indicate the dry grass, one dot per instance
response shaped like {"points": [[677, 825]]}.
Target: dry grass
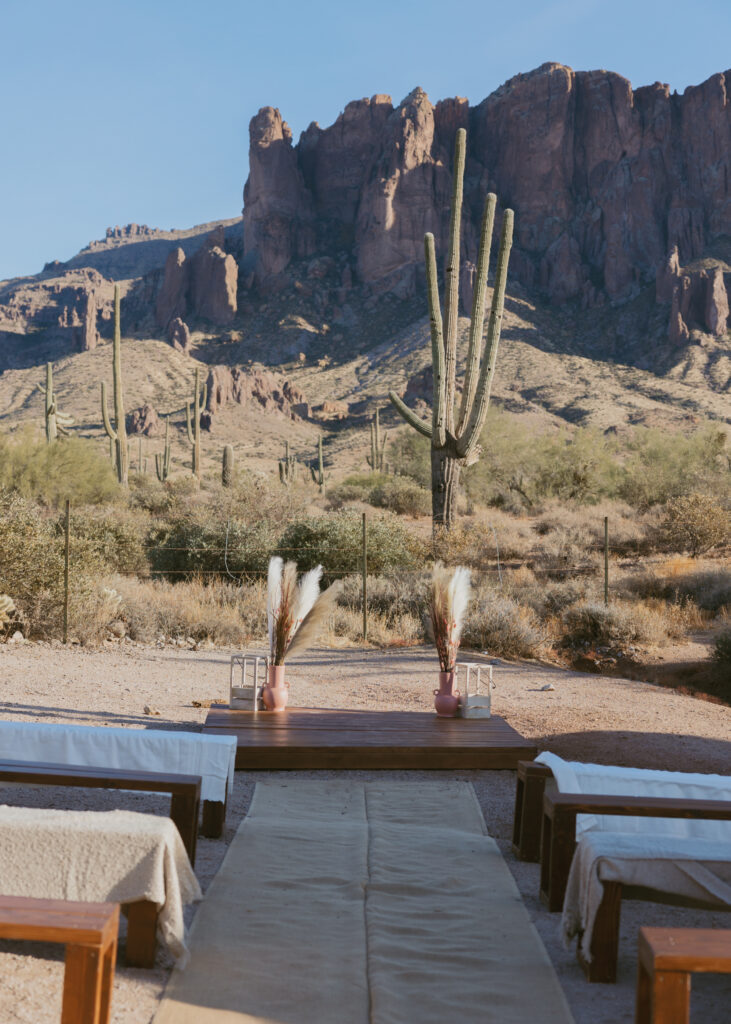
{"points": [[219, 612]]}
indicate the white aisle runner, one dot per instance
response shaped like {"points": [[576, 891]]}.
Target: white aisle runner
{"points": [[344, 902]]}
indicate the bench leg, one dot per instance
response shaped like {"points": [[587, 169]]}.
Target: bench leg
{"points": [[108, 966], [184, 813], [670, 998], [530, 785], [82, 985], [605, 938], [558, 845], [214, 814], [141, 934], [643, 996]]}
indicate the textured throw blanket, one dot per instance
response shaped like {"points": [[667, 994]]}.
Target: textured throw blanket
{"points": [[696, 869], [574, 777], [148, 750], [116, 856]]}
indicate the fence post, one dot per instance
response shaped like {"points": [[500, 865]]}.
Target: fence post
{"points": [[606, 560], [67, 535], [365, 581]]}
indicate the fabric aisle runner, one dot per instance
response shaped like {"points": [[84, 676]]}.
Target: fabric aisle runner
{"points": [[345, 902]]}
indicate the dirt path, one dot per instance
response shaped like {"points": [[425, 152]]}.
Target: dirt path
{"points": [[585, 717]]}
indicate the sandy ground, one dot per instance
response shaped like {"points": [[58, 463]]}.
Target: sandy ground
{"points": [[586, 717]]}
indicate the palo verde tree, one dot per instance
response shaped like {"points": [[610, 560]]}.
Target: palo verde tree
{"points": [[454, 438]]}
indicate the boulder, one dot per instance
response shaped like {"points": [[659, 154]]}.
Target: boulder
{"points": [[145, 421], [171, 300], [179, 335]]}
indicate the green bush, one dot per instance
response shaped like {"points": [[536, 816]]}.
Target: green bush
{"points": [[50, 473], [659, 465], [402, 496], [335, 542], [32, 567], [695, 523], [722, 648]]}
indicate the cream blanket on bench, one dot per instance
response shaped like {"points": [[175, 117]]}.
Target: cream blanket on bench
{"points": [[98, 856], [148, 750], [610, 780], [689, 868]]}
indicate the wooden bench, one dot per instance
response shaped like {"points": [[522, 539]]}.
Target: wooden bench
{"points": [[558, 834], [666, 959], [531, 783], [89, 932], [185, 790]]}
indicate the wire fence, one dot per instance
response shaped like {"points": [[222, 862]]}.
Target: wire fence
{"points": [[356, 556]]}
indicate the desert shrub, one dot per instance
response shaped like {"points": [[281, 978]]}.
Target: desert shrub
{"points": [[614, 624], [563, 549], [49, 473], [343, 494], [660, 465], [32, 567], [198, 543], [478, 542], [410, 454], [220, 611], [695, 523], [709, 589], [118, 539], [553, 598], [334, 541], [499, 625], [400, 495], [722, 648], [392, 598]]}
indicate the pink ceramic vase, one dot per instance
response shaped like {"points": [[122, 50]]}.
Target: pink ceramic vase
{"points": [[446, 698], [276, 692]]}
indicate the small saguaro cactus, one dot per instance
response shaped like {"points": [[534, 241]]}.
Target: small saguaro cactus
{"points": [[455, 440], [162, 462], [56, 422], [227, 465], [193, 420], [119, 433], [318, 470], [287, 466], [378, 446]]}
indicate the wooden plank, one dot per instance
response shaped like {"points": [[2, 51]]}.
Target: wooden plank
{"points": [[323, 738]]}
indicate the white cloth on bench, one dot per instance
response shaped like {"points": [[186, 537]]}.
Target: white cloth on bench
{"points": [[99, 856], [610, 780], [149, 750], [689, 868]]}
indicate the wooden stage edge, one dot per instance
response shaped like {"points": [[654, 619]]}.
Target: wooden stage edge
{"points": [[311, 739]]}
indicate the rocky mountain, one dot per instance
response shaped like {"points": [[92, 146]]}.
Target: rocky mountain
{"points": [[622, 252]]}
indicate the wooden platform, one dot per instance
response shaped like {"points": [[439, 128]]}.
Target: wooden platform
{"points": [[319, 738]]}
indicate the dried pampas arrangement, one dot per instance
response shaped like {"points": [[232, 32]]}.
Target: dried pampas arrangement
{"points": [[449, 595], [296, 613]]}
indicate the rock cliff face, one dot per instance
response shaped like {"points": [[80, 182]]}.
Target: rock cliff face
{"points": [[605, 181], [68, 308], [203, 285]]}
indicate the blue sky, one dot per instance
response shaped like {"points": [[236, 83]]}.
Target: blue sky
{"points": [[139, 111]]}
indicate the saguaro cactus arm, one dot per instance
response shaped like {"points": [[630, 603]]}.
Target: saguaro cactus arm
{"points": [[477, 322], [418, 424], [451, 279], [110, 431], [468, 440]]}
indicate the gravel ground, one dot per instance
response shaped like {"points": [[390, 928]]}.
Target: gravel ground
{"points": [[586, 717]]}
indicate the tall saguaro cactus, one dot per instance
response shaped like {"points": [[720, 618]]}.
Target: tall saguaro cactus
{"points": [[56, 422], [227, 465], [318, 471], [162, 462], [193, 420], [118, 434], [455, 440], [287, 466], [378, 446]]}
